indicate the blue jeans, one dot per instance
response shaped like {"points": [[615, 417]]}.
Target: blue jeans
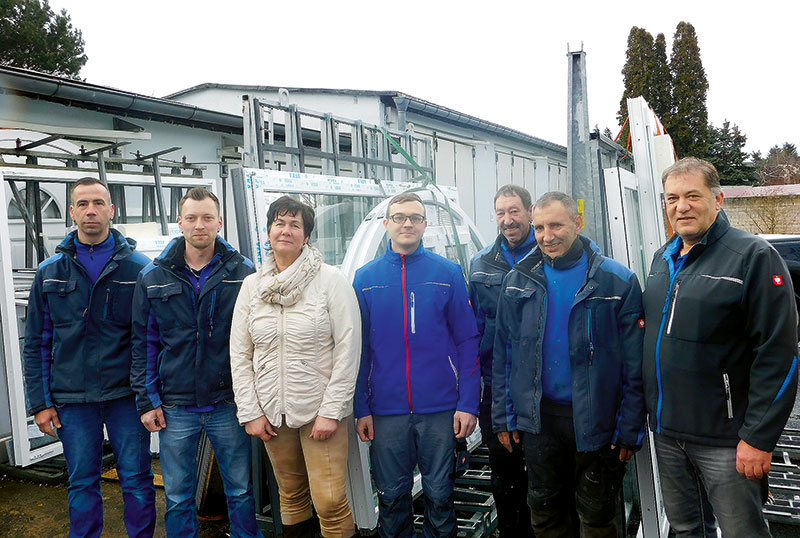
{"points": [[179, 442], [401, 443], [81, 434], [685, 469]]}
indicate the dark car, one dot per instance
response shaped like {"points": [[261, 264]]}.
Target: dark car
{"points": [[788, 246]]}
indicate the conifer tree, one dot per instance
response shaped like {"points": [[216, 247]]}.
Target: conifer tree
{"points": [[659, 93], [688, 123], [32, 36], [726, 153], [635, 73]]}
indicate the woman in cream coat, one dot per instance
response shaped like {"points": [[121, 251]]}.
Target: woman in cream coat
{"points": [[295, 348]]}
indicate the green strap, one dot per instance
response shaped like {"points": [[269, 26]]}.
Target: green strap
{"points": [[429, 184]]}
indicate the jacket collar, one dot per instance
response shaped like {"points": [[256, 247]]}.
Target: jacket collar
{"points": [[173, 254], [713, 234], [394, 257], [533, 262], [123, 246]]}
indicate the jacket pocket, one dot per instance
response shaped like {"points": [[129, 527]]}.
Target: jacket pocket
{"points": [[728, 398], [118, 301], [161, 297], [62, 300]]}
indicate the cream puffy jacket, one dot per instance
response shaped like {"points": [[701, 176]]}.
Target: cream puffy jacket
{"points": [[299, 360]]}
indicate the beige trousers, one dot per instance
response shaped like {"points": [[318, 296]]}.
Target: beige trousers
{"points": [[312, 471]]}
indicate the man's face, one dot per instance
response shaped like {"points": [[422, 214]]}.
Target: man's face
{"points": [[91, 210], [555, 230], [691, 206], [513, 218], [199, 222], [407, 235]]}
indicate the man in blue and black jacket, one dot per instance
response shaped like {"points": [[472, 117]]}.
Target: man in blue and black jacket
{"points": [[181, 371], [513, 211], [720, 362], [569, 334], [419, 379], [77, 359]]}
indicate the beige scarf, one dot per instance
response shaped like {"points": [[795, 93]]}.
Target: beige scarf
{"points": [[286, 287]]}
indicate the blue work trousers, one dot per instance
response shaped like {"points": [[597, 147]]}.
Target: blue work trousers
{"points": [[403, 442], [81, 435], [686, 469], [179, 441]]}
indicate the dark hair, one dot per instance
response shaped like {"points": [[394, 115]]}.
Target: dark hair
{"points": [[515, 190], [555, 196], [402, 198], [286, 205], [689, 165], [199, 194], [87, 181]]}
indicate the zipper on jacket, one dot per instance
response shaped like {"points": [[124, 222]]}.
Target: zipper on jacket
{"points": [[672, 308], [728, 398], [405, 331], [105, 308], [211, 313], [589, 331], [413, 315], [453, 366]]}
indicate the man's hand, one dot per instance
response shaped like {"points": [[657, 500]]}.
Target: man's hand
{"points": [[154, 420], [464, 424], [323, 428], [261, 428], [751, 462], [505, 439], [624, 453], [44, 418], [365, 429]]}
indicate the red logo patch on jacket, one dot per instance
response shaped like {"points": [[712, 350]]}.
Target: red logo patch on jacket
{"points": [[641, 323], [777, 280]]}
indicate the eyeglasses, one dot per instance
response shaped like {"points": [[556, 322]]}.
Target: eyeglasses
{"points": [[399, 218]]}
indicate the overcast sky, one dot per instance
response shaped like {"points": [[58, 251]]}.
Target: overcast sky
{"points": [[498, 60]]}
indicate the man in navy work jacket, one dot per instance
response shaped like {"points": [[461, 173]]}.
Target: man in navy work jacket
{"points": [[569, 331], [181, 371], [514, 211], [418, 385], [720, 362], [77, 362]]}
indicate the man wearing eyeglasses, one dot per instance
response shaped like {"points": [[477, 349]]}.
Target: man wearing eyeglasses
{"points": [[419, 382]]}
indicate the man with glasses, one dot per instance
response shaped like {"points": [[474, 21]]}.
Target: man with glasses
{"points": [[419, 381]]}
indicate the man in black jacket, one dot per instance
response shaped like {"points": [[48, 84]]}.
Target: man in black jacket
{"points": [[720, 364]]}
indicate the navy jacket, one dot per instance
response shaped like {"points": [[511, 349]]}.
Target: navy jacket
{"points": [[420, 344], [180, 339], [605, 340], [486, 272], [721, 342], [77, 336]]}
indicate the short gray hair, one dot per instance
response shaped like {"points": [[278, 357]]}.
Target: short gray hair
{"points": [[515, 190], [689, 165], [555, 196]]}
